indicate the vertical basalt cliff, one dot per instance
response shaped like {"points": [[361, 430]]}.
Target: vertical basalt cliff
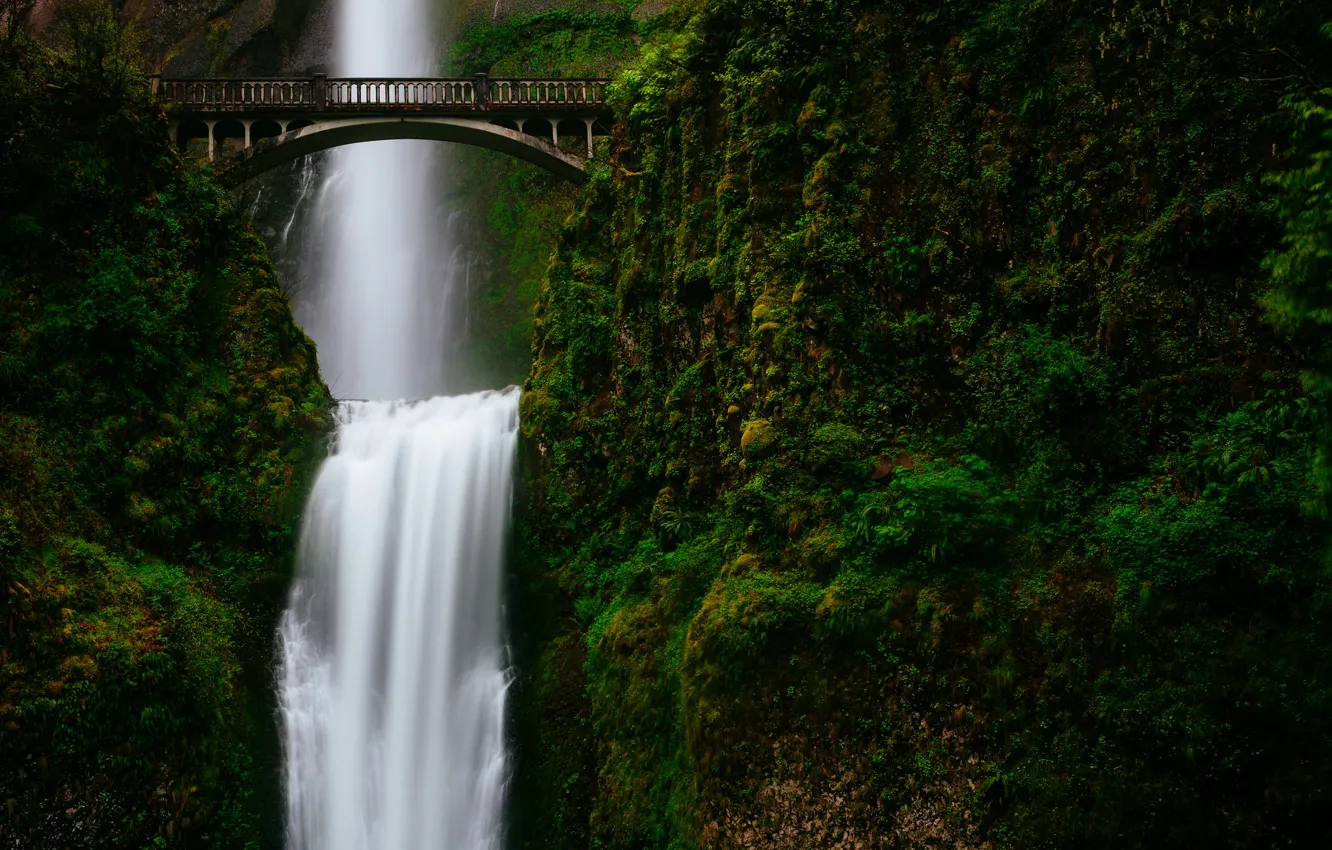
{"points": [[159, 411], [214, 37], [911, 458]]}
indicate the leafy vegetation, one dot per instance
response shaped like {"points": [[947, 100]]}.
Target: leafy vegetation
{"points": [[910, 457], [1302, 268], [555, 43], [514, 210], [158, 412]]}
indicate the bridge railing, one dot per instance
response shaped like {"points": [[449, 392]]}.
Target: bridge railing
{"points": [[547, 92], [232, 95], [353, 95], [322, 94]]}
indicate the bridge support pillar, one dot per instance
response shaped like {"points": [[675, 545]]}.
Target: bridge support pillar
{"points": [[589, 122], [247, 125], [211, 144], [520, 122], [555, 131]]}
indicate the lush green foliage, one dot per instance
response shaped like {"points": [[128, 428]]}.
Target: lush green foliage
{"points": [[557, 43], [1301, 297], [514, 210], [158, 409], [910, 460]]}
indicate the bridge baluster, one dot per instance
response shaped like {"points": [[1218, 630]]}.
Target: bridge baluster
{"points": [[206, 97]]}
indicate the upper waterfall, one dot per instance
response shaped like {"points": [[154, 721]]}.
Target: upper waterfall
{"points": [[379, 252]]}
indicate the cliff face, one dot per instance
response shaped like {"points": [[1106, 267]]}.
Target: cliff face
{"points": [[158, 412], [512, 211], [195, 38], [229, 38], [910, 459]]}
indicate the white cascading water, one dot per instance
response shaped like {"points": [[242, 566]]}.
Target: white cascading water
{"points": [[393, 675], [378, 309], [393, 680]]}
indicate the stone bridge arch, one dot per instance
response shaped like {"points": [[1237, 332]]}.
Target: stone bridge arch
{"points": [[277, 120]]}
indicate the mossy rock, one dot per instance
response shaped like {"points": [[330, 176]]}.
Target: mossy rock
{"points": [[759, 436], [742, 565], [664, 504], [762, 308], [835, 447]]}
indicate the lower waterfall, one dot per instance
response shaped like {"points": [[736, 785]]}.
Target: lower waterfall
{"points": [[393, 671]]}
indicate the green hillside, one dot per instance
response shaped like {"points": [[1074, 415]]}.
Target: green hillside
{"points": [[158, 413], [918, 443]]}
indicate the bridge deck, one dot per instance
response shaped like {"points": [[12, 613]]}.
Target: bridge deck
{"points": [[321, 95]]}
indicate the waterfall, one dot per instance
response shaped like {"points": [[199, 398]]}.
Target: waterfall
{"points": [[378, 245], [393, 673]]}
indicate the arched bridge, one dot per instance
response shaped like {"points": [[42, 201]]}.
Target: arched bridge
{"points": [[253, 125]]}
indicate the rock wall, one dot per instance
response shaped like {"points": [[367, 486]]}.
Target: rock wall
{"points": [[911, 459]]}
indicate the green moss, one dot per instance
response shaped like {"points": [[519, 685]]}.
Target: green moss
{"points": [[559, 42], [161, 411], [758, 437], [514, 210], [942, 329]]}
